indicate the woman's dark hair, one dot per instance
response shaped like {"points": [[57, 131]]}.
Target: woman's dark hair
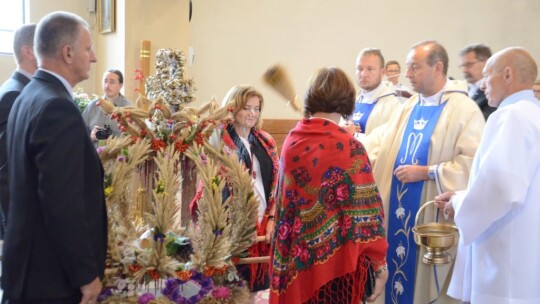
{"points": [[329, 91]]}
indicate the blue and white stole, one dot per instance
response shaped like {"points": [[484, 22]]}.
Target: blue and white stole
{"points": [[361, 113], [405, 202]]}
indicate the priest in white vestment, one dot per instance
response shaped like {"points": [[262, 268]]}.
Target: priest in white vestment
{"points": [[376, 101], [428, 145], [499, 213]]}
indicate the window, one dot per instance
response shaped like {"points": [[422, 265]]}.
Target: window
{"points": [[12, 16]]}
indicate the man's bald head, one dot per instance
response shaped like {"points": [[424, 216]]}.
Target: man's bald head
{"points": [[507, 72], [519, 61]]}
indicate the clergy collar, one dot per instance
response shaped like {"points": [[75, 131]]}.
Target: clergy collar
{"points": [[434, 100], [367, 97]]}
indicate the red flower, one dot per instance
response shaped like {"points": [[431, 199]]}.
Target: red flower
{"points": [[199, 139], [366, 231], [297, 225], [342, 192], [283, 249], [330, 198], [275, 282], [284, 231], [158, 144], [183, 275], [304, 256], [154, 274], [296, 251], [134, 268], [346, 221], [181, 146]]}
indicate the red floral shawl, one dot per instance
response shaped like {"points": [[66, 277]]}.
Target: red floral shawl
{"points": [[329, 215]]}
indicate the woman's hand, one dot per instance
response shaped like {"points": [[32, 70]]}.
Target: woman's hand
{"points": [[380, 281], [270, 224]]}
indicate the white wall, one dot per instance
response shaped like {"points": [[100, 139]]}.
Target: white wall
{"points": [[236, 40], [37, 10], [163, 22]]}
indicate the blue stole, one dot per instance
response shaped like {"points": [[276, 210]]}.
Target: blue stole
{"points": [[405, 202], [361, 114]]}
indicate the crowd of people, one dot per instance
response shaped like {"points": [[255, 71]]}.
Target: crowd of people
{"points": [[336, 207]]}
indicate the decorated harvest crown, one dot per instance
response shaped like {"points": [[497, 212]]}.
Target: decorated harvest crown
{"points": [[148, 246]]}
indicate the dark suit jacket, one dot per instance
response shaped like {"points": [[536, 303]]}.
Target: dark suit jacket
{"points": [[56, 238], [481, 100], [8, 92]]}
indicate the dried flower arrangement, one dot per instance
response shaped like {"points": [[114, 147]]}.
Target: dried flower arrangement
{"points": [[81, 98], [149, 250]]}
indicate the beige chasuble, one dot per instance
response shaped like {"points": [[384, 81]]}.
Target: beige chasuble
{"points": [[452, 147]]}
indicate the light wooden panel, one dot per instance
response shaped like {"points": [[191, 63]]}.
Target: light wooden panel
{"points": [[279, 128]]}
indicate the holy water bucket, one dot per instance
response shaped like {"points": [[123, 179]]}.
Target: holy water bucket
{"points": [[436, 237]]}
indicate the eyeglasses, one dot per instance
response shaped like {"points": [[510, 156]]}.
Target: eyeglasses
{"points": [[469, 64]]}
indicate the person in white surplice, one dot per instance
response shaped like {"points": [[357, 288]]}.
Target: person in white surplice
{"points": [[497, 216]]}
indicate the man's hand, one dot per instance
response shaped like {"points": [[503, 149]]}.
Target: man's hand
{"points": [[411, 173], [93, 133], [444, 203], [350, 127], [91, 291]]}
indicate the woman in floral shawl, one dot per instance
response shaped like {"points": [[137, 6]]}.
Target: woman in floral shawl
{"points": [[330, 215], [256, 149]]}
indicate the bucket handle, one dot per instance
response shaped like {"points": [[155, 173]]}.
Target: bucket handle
{"points": [[420, 211]]}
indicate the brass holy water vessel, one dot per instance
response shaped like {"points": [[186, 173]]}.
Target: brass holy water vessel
{"points": [[436, 237]]}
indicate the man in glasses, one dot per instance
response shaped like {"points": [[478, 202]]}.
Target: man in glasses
{"points": [[473, 60]]}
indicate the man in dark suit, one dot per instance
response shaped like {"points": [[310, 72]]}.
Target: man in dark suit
{"points": [[473, 60], [23, 50], [56, 239]]}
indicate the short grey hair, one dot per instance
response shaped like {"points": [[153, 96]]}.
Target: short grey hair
{"points": [[24, 36], [55, 30]]}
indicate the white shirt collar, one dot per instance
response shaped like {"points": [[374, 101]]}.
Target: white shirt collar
{"points": [[433, 100], [25, 73], [62, 80], [367, 97], [474, 87]]}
